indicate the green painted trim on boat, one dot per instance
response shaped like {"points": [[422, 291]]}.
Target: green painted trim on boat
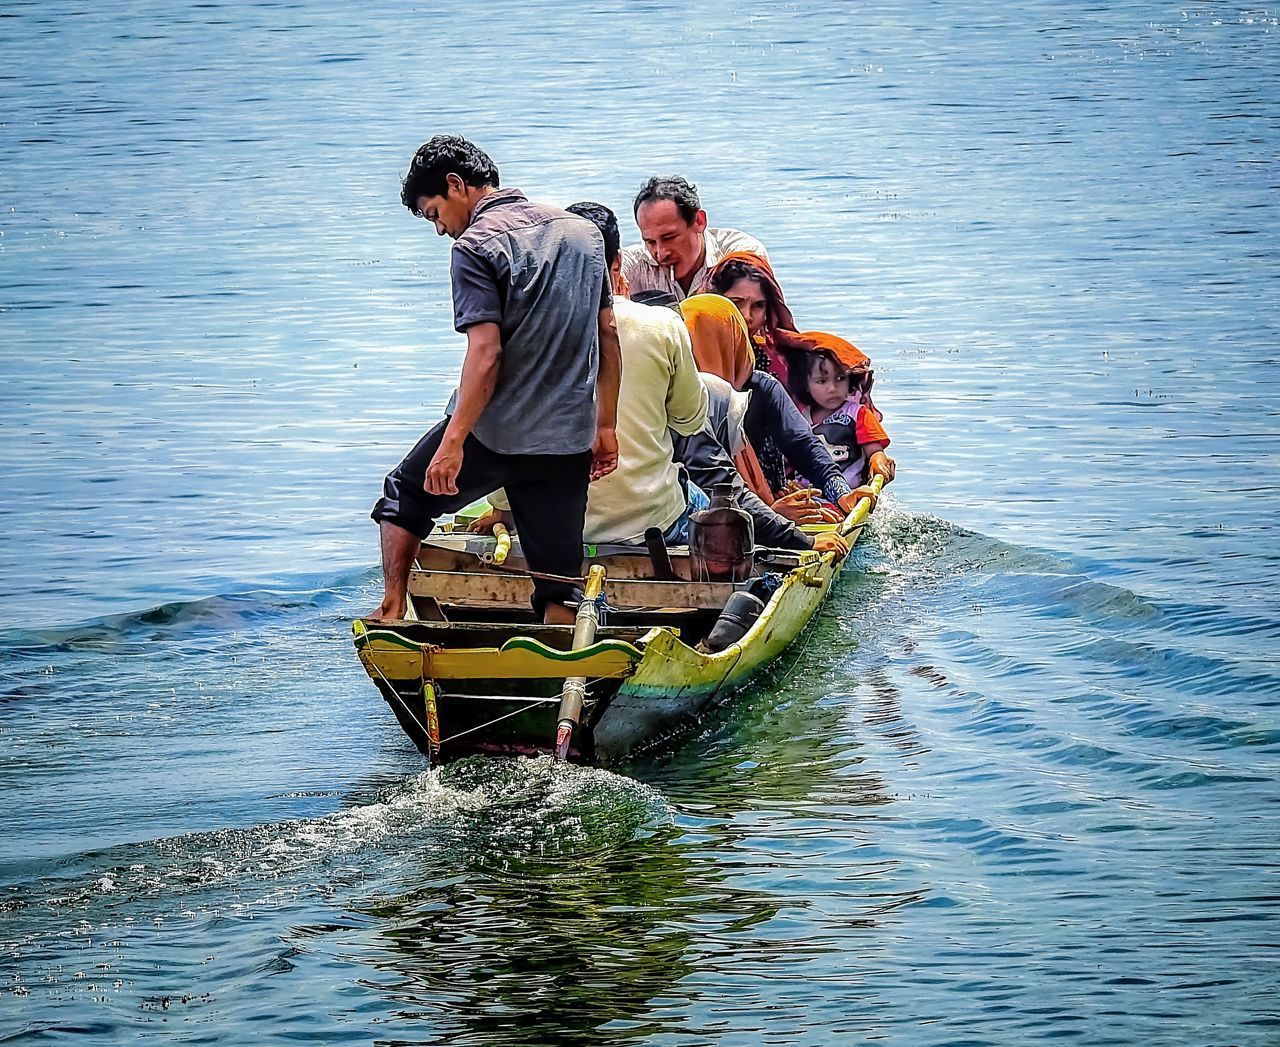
{"points": [[526, 643], [364, 636]]}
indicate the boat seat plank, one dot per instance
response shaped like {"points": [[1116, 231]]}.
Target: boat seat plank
{"points": [[398, 661], [531, 661], [474, 589]]}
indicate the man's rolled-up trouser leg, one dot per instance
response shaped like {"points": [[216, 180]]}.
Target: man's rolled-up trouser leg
{"points": [[549, 503], [405, 501]]}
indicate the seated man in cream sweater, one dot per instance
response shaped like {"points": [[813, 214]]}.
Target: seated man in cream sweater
{"points": [[660, 392]]}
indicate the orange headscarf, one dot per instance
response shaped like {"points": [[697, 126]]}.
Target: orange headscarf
{"points": [[850, 357], [780, 315], [779, 324], [721, 346], [847, 355]]}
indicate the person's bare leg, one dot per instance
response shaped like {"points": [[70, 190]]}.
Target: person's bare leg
{"points": [[399, 547], [557, 614]]}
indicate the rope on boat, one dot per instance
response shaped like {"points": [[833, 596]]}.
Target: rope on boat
{"points": [[529, 703], [524, 572], [399, 701], [500, 698], [809, 633]]}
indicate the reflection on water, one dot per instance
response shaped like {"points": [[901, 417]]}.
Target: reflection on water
{"points": [[463, 883], [554, 952], [493, 815]]}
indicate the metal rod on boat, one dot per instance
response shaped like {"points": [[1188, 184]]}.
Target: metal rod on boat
{"points": [[575, 687]]}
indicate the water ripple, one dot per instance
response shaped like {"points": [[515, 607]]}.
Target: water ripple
{"points": [[1017, 782]]}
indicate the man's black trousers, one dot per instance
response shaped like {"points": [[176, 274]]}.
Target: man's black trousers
{"points": [[548, 494]]}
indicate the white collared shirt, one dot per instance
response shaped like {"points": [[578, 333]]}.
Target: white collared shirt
{"points": [[644, 274]]}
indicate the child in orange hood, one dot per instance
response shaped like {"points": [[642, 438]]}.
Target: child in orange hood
{"points": [[831, 383]]}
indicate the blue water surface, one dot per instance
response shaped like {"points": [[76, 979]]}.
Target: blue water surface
{"points": [[1018, 783]]}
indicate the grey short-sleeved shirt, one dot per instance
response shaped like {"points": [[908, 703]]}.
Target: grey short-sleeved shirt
{"points": [[539, 273]]}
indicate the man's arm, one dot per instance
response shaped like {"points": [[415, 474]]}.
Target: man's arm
{"points": [[686, 395], [475, 390], [608, 378]]}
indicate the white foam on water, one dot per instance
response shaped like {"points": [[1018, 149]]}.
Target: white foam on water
{"points": [[478, 813]]}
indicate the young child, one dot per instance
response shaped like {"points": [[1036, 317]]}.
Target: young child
{"points": [[831, 384]]}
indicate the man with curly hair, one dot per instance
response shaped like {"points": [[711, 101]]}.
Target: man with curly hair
{"points": [[536, 406], [678, 248]]}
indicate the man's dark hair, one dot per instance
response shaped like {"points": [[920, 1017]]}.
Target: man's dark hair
{"points": [[604, 220], [445, 155], [680, 191]]}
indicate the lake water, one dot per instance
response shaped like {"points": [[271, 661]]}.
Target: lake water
{"points": [[1018, 783]]}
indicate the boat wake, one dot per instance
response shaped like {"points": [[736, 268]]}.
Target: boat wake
{"points": [[489, 817], [923, 551], [1048, 662], [939, 547], [224, 612]]}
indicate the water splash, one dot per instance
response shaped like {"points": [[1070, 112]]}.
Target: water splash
{"points": [[495, 815]]}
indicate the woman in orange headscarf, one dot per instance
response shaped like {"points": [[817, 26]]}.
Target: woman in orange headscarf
{"points": [[776, 431], [747, 280]]}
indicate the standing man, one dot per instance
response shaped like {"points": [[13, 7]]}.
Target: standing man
{"points": [[678, 247], [660, 396], [536, 405]]}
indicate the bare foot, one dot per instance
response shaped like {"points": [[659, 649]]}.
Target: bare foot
{"points": [[388, 611]]}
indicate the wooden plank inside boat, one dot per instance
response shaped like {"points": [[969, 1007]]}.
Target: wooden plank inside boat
{"points": [[471, 589], [461, 552]]}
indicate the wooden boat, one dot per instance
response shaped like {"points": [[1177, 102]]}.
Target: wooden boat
{"points": [[472, 671]]}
